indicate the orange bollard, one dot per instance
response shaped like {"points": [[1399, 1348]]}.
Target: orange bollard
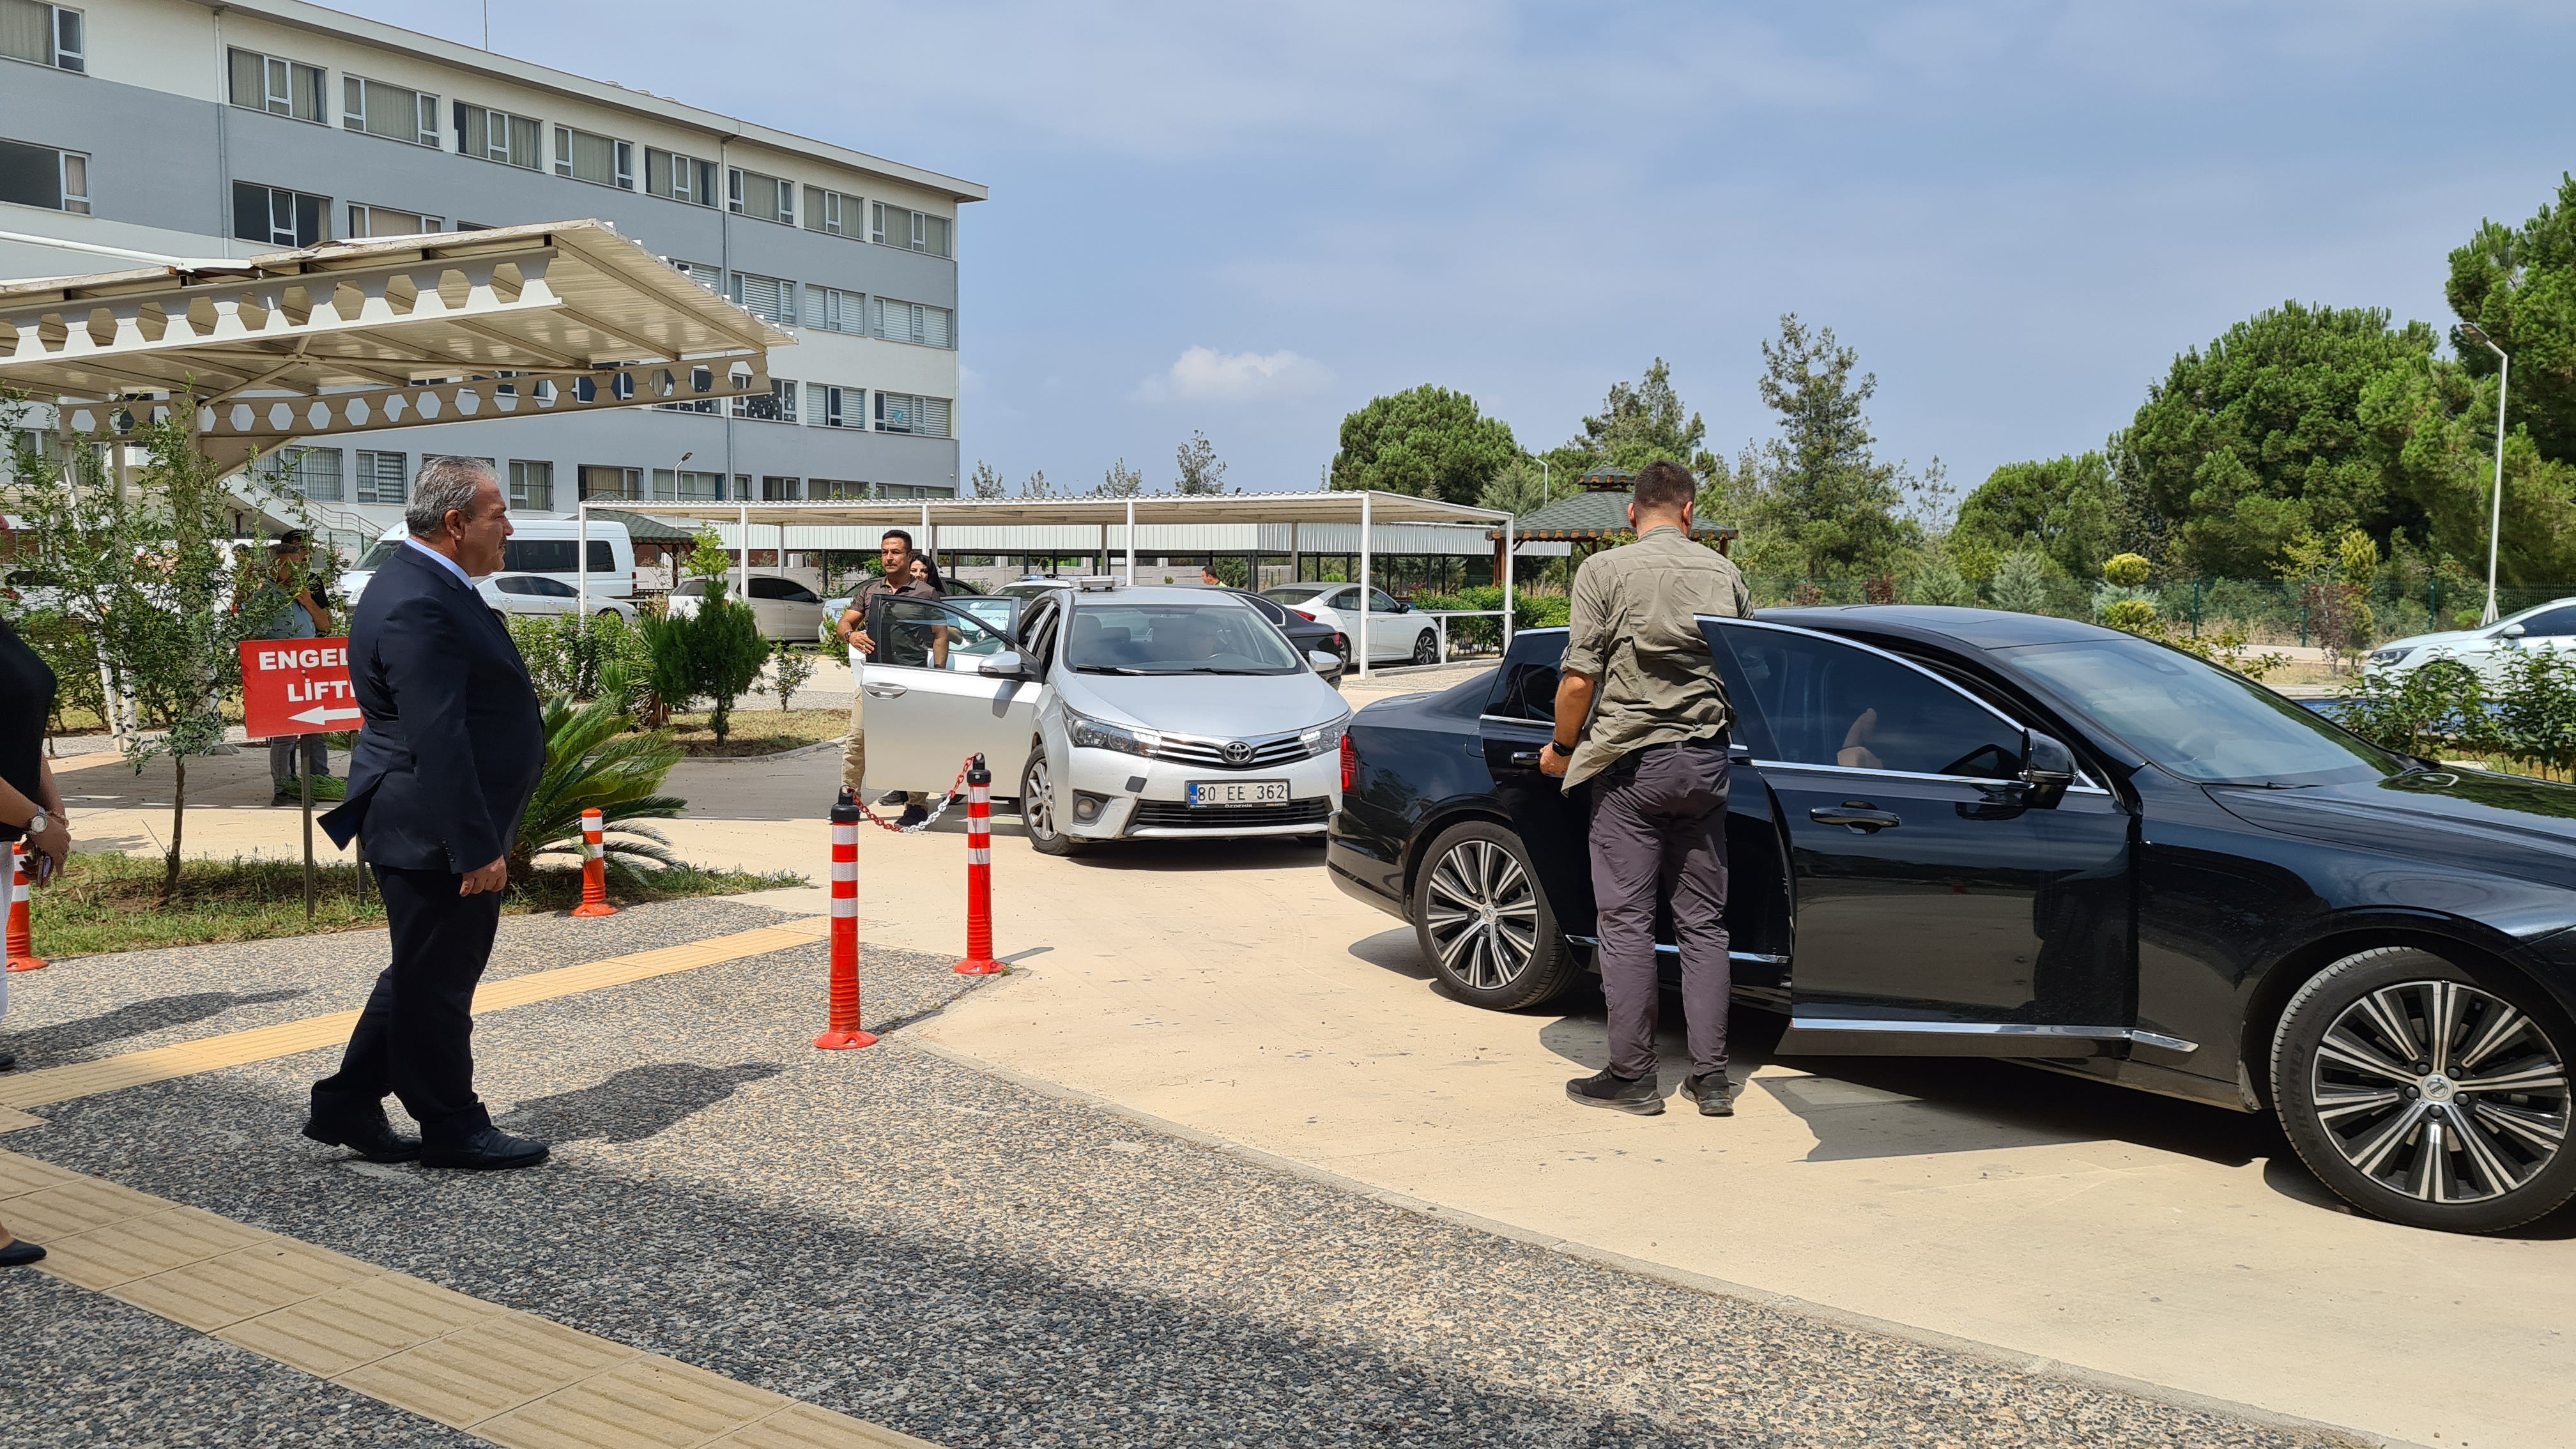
{"points": [[22, 939], [979, 873], [844, 1031], [594, 868]]}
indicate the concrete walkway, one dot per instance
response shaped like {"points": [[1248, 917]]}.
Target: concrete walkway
{"points": [[1228, 990]]}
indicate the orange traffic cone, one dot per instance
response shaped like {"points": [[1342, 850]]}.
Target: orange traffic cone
{"points": [[594, 868], [22, 940]]}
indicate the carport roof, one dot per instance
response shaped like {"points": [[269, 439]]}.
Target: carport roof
{"points": [[1308, 507]]}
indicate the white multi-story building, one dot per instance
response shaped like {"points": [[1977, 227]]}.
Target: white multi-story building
{"points": [[174, 128]]}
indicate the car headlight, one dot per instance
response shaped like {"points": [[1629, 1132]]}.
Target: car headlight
{"points": [[1324, 739], [1096, 734], [2390, 656]]}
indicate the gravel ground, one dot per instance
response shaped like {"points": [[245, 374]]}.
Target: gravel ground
{"points": [[83, 1008], [902, 1238], [86, 1370]]}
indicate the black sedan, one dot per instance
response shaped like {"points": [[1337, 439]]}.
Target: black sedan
{"points": [[1304, 634], [1964, 833]]}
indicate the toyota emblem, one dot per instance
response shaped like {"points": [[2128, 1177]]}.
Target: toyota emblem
{"points": [[1237, 753]]}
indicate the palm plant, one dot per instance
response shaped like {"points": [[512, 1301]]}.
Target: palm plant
{"points": [[592, 764]]}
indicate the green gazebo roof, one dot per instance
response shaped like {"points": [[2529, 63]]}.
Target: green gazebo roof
{"points": [[1593, 515]]}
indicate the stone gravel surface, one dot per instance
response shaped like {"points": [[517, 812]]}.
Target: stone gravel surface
{"points": [[891, 1234], [86, 1370], [82, 1008]]}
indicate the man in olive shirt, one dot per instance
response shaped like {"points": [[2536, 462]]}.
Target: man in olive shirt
{"points": [[895, 553], [1641, 713]]}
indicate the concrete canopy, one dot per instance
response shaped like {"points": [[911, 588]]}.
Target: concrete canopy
{"points": [[354, 336]]}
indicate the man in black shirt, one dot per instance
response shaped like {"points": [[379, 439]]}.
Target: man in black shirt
{"points": [[895, 554]]}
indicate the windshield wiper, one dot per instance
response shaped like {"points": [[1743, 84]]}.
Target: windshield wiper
{"points": [[2270, 784], [1107, 669]]}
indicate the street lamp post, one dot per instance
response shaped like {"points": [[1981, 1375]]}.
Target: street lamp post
{"points": [[2495, 506]]}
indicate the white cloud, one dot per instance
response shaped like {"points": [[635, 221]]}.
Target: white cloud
{"points": [[1204, 374]]}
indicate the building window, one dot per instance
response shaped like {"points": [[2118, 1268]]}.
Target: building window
{"points": [[279, 87], [780, 490], [836, 407], [911, 322], [371, 221], [681, 485], [498, 136], [44, 34], [705, 274], [832, 211], [765, 297], [532, 485], [897, 226], [312, 472], [818, 490], [389, 111], [596, 159], [43, 176], [903, 413], [602, 482], [834, 310], [778, 405], [914, 490], [381, 478], [767, 198], [681, 178], [280, 217]]}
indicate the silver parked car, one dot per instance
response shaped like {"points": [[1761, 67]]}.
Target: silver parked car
{"points": [[1112, 713]]}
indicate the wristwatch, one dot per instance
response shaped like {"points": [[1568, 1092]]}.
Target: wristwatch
{"points": [[1562, 752], [41, 823]]}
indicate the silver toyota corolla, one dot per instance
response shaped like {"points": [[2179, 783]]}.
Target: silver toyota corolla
{"points": [[1113, 713]]}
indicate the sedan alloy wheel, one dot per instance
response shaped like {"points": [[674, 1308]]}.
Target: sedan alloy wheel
{"points": [[1037, 809], [2427, 1097], [1483, 922], [1426, 648]]}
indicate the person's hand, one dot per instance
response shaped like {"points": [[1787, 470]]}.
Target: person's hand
{"points": [[1552, 763], [490, 878], [860, 641], [54, 841]]}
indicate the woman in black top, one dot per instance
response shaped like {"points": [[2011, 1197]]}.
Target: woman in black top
{"points": [[31, 809]]}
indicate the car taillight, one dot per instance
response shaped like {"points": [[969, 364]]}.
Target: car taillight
{"points": [[1302, 614], [1350, 762]]}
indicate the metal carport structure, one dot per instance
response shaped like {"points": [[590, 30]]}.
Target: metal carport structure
{"points": [[355, 336], [1365, 508]]}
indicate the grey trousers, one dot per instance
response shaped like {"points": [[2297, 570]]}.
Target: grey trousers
{"points": [[281, 757], [1659, 832]]}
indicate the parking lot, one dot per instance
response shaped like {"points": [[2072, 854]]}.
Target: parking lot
{"points": [[1229, 998]]}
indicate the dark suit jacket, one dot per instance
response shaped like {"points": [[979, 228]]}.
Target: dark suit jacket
{"points": [[452, 745]]}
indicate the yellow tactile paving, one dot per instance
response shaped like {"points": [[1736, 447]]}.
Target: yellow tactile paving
{"points": [[649, 1403], [802, 1426], [258, 1279], [78, 1204], [116, 1255], [487, 1369], [368, 1320], [240, 1048], [21, 1175]]}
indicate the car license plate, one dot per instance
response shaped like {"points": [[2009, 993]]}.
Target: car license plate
{"points": [[1238, 792]]}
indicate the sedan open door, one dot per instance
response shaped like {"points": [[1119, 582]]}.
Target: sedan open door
{"points": [[928, 702]]}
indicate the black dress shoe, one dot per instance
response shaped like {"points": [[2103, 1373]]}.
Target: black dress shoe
{"points": [[912, 815], [490, 1150], [375, 1141], [18, 1253], [1639, 1097], [8, 1060]]}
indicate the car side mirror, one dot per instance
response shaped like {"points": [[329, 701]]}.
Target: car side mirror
{"points": [[2510, 631], [2048, 767], [1327, 665], [1004, 666]]}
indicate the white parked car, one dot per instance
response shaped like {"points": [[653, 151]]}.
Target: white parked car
{"points": [[1112, 713], [2484, 649], [1396, 634], [536, 546], [785, 608], [539, 594]]}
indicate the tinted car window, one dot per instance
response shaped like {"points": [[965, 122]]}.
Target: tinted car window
{"points": [[2197, 720], [1831, 703], [540, 555], [1037, 633], [919, 634], [690, 589], [1525, 687], [1379, 603], [2551, 624], [550, 588], [511, 586]]}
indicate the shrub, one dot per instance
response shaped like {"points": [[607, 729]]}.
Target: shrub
{"points": [[571, 655], [2126, 571], [591, 763], [793, 667], [2021, 585], [2135, 616]]}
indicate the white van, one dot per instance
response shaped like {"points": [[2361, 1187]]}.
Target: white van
{"points": [[541, 546]]}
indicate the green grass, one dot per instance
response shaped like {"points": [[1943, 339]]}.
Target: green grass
{"points": [[104, 903], [758, 731]]}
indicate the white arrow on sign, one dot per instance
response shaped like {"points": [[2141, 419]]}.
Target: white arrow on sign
{"points": [[318, 715]]}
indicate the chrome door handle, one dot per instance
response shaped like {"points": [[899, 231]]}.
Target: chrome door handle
{"points": [[1867, 822], [885, 691], [1525, 757]]}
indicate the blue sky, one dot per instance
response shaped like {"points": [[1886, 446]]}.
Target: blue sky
{"points": [[1251, 219]]}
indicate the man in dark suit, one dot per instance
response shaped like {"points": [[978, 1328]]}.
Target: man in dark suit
{"points": [[450, 752]]}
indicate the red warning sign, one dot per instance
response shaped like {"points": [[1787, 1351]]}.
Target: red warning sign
{"points": [[297, 687]]}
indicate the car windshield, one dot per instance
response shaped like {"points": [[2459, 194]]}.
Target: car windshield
{"points": [[2200, 721], [1138, 638], [1295, 593], [377, 553]]}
